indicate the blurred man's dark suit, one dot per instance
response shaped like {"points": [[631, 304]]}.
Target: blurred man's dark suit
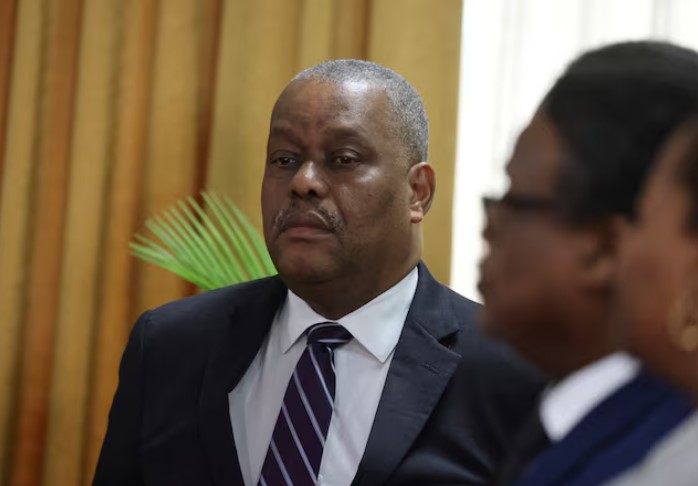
{"points": [[451, 402]]}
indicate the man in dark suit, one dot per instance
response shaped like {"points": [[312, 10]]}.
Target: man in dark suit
{"points": [[548, 280], [354, 366]]}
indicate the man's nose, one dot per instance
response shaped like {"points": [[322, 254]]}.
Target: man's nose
{"points": [[309, 180]]}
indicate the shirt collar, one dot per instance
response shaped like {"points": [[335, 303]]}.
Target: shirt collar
{"points": [[376, 325], [566, 403]]}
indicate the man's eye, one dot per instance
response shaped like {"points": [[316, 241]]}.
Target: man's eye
{"points": [[344, 160], [284, 161]]}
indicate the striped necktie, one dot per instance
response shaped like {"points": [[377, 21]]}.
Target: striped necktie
{"points": [[295, 451]]}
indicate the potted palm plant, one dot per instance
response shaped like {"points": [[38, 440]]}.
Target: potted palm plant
{"points": [[211, 248]]}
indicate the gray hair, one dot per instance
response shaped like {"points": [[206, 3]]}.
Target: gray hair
{"points": [[409, 118]]}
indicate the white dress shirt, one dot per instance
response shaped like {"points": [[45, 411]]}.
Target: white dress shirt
{"points": [[361, 367], [566, 403]]}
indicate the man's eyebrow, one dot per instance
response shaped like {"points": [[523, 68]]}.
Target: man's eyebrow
{"points": [[346, 132], [283, 130]]}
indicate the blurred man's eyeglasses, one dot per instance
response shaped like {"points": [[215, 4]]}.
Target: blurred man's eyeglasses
{"points": [[520, 203], [503, 211]]}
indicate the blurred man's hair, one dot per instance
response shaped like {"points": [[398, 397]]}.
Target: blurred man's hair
{"points": [[409, 119], [614, 107]]}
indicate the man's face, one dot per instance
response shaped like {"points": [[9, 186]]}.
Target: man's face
{"points": [[335, 194], [530, 279]]}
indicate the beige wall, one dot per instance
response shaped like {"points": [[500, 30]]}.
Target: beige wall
{"points": [[110, 110]]}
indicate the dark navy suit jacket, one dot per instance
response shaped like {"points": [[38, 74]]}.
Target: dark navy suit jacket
{"points": [[451, 400], [614, 436]]}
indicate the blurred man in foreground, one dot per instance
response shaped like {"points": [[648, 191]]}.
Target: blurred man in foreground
{"points": [[548, 279]]}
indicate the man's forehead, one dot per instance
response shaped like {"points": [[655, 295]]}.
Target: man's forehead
{"points": [[335, 107], [338, 94]]}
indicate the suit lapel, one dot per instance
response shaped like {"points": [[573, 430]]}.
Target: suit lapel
{"points": [[232, 349], [418, 375]]}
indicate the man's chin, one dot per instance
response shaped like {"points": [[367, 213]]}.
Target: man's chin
{"points": [[306, 270], [487, 322], [493, 326]]}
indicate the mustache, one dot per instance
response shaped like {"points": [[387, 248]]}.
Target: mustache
{"points": [[316, 215]]}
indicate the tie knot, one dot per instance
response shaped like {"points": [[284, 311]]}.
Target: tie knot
{"points": [[329, 334]]}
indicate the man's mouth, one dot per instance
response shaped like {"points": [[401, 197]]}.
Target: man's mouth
{"points": [[305, 224]]}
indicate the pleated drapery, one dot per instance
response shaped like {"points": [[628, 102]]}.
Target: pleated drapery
{"points": [[110, 111]]}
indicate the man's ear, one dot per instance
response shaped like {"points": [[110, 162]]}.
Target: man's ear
{"points": [[599, 253], [422, 181]]}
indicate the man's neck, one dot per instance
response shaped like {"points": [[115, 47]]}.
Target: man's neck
{"points": [[335, 299]]}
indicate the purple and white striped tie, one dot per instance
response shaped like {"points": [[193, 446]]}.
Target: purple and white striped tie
{"points": [[295, 451]]}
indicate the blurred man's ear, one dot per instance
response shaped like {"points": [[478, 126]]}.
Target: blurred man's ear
{"points": [[599, 253], [422, 181]]}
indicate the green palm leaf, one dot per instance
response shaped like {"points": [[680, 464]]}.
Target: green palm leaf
{"points": [[210, 249]]}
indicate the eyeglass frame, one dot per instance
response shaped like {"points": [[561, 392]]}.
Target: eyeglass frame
{"points": [[520, 202]]}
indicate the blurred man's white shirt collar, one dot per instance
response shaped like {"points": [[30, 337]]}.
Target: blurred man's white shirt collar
{"points": [[567, 402]]}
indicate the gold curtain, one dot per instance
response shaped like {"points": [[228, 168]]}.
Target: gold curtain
{"points": [[111, 110]]}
